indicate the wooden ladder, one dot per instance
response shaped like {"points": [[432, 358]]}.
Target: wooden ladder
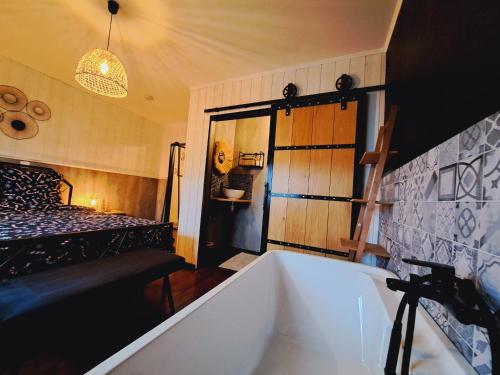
{"points": [[377, 159]]}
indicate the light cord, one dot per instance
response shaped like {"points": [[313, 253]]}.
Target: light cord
{"points": [[109, 31]]}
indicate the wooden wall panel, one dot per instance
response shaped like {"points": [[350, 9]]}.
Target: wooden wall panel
{"points": [[84, 131], [316, 223], [284, 128], [342, 173], [344, 132], [136, 196], [323, 124], [338, 227], [319, 172], [295, 223], [298, 180], [277, 219], [281, 171], [302, 126], [272, 84], [313, 172]]}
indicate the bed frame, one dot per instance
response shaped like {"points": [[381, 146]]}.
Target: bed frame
{"points": [[43, 252], [20, 165]]}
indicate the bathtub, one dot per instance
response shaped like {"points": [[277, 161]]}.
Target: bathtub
{"points": [[287, 313]]}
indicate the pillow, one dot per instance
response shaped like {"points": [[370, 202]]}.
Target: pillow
{"points": [[29, 188]]}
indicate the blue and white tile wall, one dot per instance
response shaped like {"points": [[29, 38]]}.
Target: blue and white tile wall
{"points": [[447, 209]]}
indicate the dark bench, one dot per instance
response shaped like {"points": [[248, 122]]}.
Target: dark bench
{"points": [[28, 294]]}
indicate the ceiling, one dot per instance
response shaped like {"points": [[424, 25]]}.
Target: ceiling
{"points": [[169, 45]]}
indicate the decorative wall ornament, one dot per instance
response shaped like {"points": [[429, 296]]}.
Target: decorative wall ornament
{"points": [[16, 123], [223, 157]]}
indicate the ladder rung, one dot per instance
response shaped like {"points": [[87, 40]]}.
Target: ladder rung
{"points": [[365, 201], [370, 247], [371, 157]]}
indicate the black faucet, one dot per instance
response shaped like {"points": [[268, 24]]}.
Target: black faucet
{"points": [[458, 296]]}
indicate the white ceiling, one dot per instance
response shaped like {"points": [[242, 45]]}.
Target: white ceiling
{"points": [[170, 45]]}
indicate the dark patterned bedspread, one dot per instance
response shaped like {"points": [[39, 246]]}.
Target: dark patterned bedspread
{"points": [[35, 240], [60, 220]]}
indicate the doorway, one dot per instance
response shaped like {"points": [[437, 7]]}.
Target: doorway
{"points": [[237, 183]]}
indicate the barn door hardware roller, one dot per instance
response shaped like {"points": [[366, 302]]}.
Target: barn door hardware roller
{"points": [[343, 84], [289, 92]]}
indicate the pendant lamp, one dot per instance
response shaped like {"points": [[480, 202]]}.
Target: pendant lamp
{"points": [[100, 71]]}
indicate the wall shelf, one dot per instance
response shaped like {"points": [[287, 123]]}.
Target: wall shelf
{"points": [[251, 160]]}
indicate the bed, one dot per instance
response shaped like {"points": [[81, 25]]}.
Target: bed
{"points": [[39, 232]]}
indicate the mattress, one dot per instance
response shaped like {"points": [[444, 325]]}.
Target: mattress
{"points": [[36, 240], [61, 220]]}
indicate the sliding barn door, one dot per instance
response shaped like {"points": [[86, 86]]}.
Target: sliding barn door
{"points": [[313, 178]]}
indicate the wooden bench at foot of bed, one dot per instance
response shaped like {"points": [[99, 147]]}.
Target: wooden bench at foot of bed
{"points": [[27, 297], [27, 294]]}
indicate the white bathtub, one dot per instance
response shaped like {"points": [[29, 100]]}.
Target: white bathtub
{"points": [[287, 313]]}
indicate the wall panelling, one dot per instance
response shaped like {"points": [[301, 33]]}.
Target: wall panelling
{"points": [[367, 68]]}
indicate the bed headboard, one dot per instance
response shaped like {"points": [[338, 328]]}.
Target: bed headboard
{"points": [[19, 164]]}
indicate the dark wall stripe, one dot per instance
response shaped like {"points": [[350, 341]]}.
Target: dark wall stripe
{"points": [[310, 248]]}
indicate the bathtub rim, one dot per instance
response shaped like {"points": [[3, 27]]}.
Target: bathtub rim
{"points": [[140, 343]]}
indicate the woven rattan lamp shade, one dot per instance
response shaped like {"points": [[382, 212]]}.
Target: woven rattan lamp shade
{"points": [[101, 72]]}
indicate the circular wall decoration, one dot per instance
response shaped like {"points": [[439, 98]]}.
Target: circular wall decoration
{"points": [[11, 98], [20, 119], [223, 157], [18, 125], [38, 110]]}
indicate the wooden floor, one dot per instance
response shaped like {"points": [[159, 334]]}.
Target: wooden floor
{"points": [[78, 344]]}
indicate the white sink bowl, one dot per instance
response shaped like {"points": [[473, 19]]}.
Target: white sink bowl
{"points": [[233, 193]]}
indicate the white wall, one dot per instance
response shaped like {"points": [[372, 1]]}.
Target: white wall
{"points": [[86, 131], [368, 69]]}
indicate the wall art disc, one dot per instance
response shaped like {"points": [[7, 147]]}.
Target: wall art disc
{"points": [[38, 110], [11, 98], [18, 125]]}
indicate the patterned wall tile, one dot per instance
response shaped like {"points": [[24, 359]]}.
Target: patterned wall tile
{"points": [[460, 344], [452, 216], [492, 132], [491, 176], [413, 214], [471, 141], [432, 159], [420, 164], [398, 234], [429, 186], [416, 244], [447, 183], [466, 332], [396, 191], [488, 277], [437, 312], [428, 245], [469, 179], [397, 175], [407, 234], [443, 252], [467, 216], [403, 189], [428, 217], [464, 259], [445, 220], [482, 353], [490, 228], [397, 211], [394, 263], [407, 170], [448, 152]]}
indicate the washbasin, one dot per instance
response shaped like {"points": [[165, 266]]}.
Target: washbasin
{"points": [[233, 193]]}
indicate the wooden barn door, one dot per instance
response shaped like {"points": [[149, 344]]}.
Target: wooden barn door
{"points": [[314, 169]]}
